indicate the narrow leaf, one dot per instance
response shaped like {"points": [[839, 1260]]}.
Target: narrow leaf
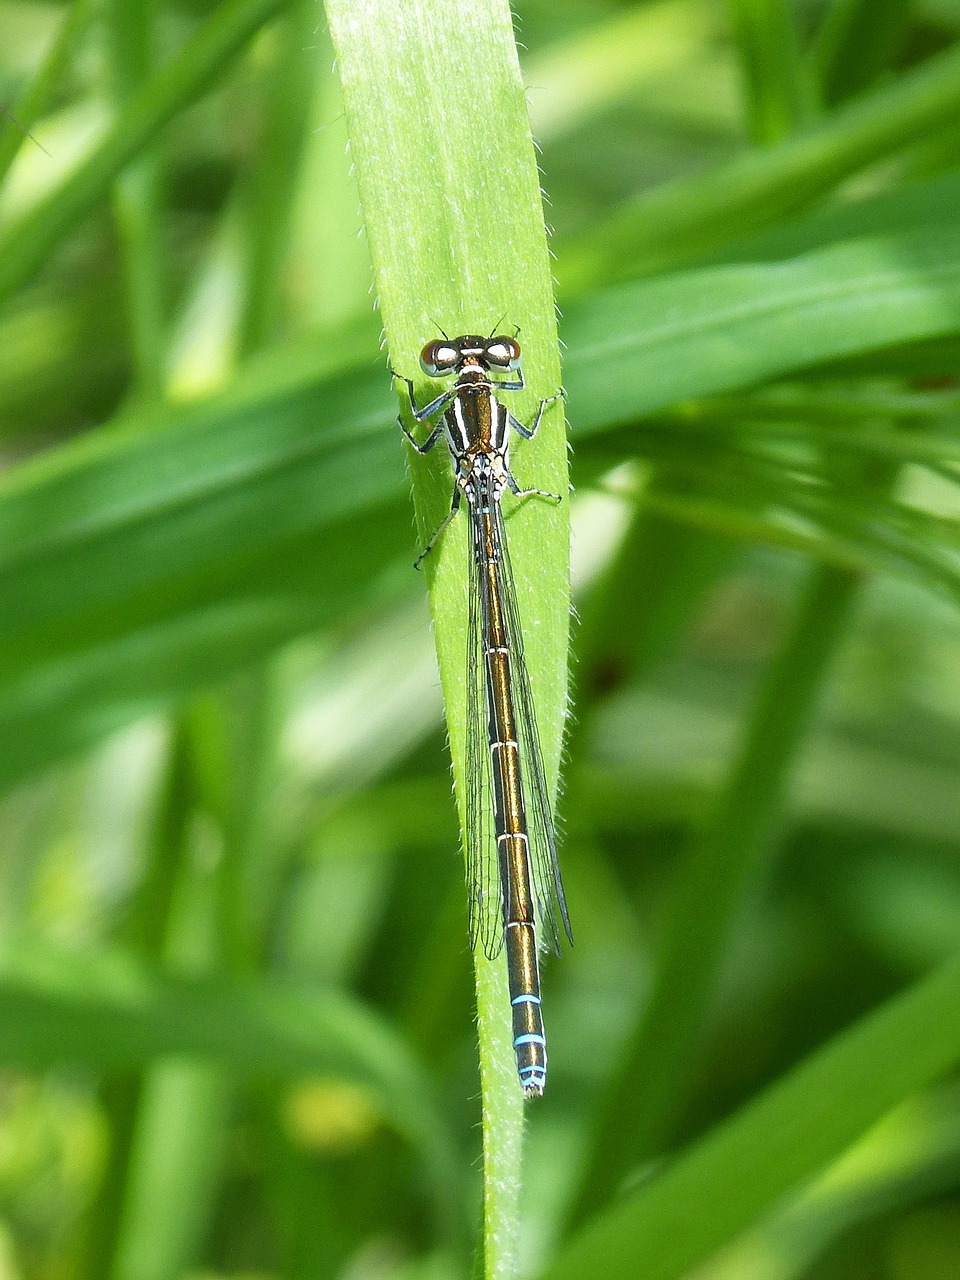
{"points": [[787, 1134]]}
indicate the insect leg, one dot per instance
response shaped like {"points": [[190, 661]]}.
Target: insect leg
{"points": [[512, 386], [530, 493], [430, 441], [428, 410], [454, 508], [529, 432]]}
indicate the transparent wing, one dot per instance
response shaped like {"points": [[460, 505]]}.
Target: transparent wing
{"points": [[551, 904], [483, 870]]}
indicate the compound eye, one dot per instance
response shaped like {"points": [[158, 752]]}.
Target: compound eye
{"points": [[504, 352], [438, 358]]}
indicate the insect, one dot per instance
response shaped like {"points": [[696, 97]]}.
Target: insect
{"points": [[513, 874]]}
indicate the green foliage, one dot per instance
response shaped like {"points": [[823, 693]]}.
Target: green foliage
{"points": [[238, 1021]]}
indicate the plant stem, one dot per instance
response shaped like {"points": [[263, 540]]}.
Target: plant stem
{"points": [[47, 80], [643, 1104], [25, 245], [414, 92], [778, 90], [135, 199], [271, 195], [680, 221]]}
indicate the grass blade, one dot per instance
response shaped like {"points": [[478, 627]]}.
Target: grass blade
{"points": [[26, 243], [785, 1135], [652, 1086], [107, 1011], [236, 500], [34, 102], [685, 219], [452, 206]]}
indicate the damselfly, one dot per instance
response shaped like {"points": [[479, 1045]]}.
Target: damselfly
{"points": [[513, 875]]}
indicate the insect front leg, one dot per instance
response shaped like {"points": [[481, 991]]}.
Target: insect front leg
{"points": [[420, 415], [428, 410], [512, 386]]}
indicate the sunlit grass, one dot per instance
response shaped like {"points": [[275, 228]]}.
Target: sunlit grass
{"points": [[237, 1009]]}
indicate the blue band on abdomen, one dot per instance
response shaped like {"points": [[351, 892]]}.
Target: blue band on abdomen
{"points": [[529, 1039]]}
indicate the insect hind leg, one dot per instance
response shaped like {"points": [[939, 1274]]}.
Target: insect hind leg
{"points": [[530, 493], [454, 508]]}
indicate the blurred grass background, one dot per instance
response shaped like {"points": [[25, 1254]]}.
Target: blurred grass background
{"points": [[236, 1006]]}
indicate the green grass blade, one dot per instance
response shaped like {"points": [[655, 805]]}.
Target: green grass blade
{"points": [[26, 243], [48, 79], [765, 505], [685, 219], [451, 200], [652, 1085], [756, 321], [171, 1194], [144, 933], [130, 28], [909, 1156], [115, 612], [630, 52], [857, 42], [704, 421], [778, 92], [107, 1012], [144, 561], [270, 203], [931, 203], [787, 1134]]}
